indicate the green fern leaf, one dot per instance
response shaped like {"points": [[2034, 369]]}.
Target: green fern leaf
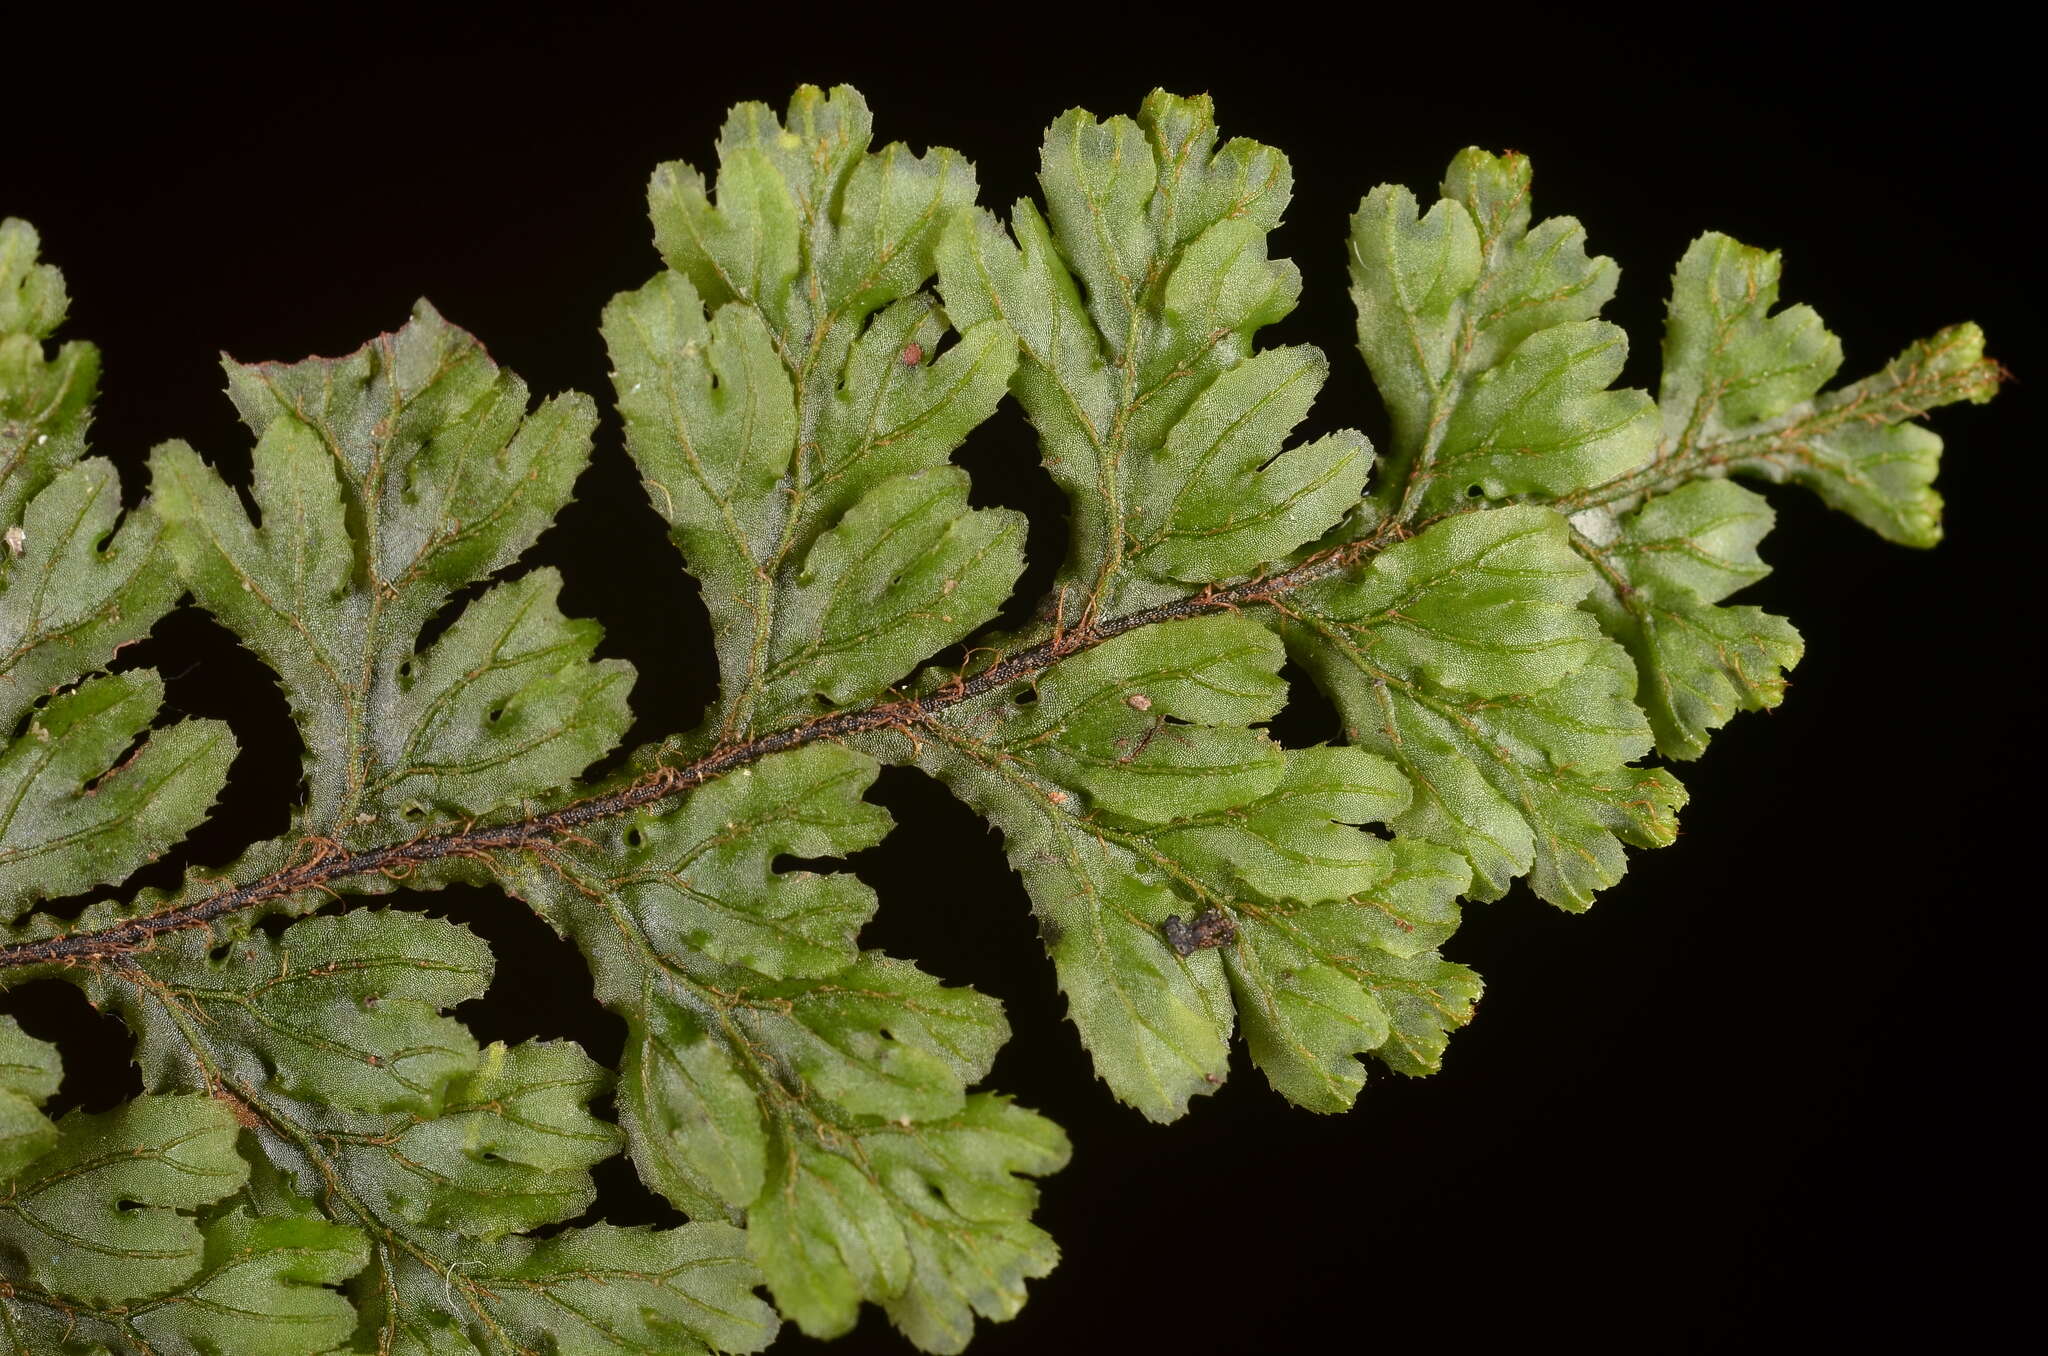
{"points": [[89, 796], [1741, 396], [159, 1157], [1665, 568], [1317, 974], [101, 1218], [1134, 302], [1529, 597], [45, 401], [509, 698], [1139, 730], [328, 1037], [1462, 657], [70, 597], [1481, 339], [333, 1029], [785, 398], [386, 480], [264, 1288], [770, 1066], [345, 1009], [29, 1074], [78, 813], [1130, 794], [936, 1227], [603, 1290]]}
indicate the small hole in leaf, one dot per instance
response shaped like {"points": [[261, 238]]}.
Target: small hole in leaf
{"points": [[99, 544]]}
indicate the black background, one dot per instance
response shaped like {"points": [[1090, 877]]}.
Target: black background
{"points": [[1767, 1090]]}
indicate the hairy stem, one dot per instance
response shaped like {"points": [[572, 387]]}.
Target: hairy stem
{"points": [[328, 864]]}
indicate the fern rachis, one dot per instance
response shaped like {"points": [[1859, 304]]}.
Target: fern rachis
{"points": [[1511, 605]]}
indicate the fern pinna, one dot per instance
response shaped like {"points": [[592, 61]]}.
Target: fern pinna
{"points": [[1514, 606]]}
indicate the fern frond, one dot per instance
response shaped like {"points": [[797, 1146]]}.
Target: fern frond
{"points": [[1520, 602]]}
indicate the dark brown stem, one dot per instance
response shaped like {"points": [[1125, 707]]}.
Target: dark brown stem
{"points": [[332, 864]]}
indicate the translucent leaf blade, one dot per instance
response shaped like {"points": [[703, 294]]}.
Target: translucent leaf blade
{"points": [[1728, 361], [909, 570], [1742, 395], [937, 1228], [1479, 333], [1145, 729], [81, 809], [1134, 300], [64, 1224], [510, 1150], [1298, 842], [1461, 656], [265, 1288], [70, 595], [785, 370], [384, 480], [1145, 724], [694, 1122], [700, 874], [602, 1290], [346, 1011], [879, 1038], [45, 400], [331, 1037], [1223, 499], [1314, 994], [29, 1074], [1665, 567], [1543, 422], [508, 701], [741, 1090]]}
